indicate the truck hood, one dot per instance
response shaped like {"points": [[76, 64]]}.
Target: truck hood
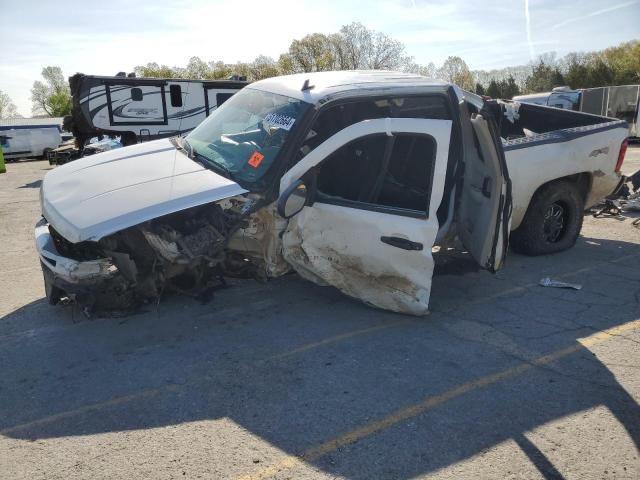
{"points": [[99, 195]]}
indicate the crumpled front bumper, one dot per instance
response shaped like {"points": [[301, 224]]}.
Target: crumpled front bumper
{"points": [[65, 271]]}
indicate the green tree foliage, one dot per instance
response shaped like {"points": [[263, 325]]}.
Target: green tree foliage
{"points": [[7, 107], [501, 88], [493, 90], [51, 97], [456, 71], [356, 47], [543, 78]]}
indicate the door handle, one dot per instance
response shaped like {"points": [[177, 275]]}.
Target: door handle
{"points": [[402, 243]]}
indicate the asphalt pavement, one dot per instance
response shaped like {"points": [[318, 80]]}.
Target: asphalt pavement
{"points": [[290, 380]]}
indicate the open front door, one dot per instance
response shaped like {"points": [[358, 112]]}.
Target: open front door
{"points": [[371, 222], [484, 212]]}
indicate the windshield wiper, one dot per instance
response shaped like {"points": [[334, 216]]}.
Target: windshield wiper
{"points": [[206, 163]]}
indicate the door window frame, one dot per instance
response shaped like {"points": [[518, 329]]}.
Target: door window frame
{"points": [[319, 197]]}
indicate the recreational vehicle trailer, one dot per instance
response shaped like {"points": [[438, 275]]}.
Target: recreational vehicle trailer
{"points": [[620, 102], [559, 97], [29, 137], [140, 109]]}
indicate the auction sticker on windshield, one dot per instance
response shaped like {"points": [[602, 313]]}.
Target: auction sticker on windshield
{"points": [[279, 121], [255, 159]]}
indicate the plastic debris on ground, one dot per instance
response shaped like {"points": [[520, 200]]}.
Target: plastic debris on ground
{"points": [[548, 282]]}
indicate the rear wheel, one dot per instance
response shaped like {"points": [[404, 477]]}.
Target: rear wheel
{"points": [[553, 220]]}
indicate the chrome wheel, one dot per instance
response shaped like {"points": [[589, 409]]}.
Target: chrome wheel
{"points": [[554, 222]]}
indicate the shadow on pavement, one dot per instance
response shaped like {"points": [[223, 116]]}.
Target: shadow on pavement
{"points": [[184, 362]]}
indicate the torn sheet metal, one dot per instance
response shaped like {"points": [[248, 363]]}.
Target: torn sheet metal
{"points": [[322, 246], [548, 282]]}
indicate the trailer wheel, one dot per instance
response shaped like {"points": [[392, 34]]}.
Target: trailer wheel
{"points": [[553, 220], [128, 138], [46, 154]]}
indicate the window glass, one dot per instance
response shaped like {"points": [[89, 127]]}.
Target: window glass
{"points": [[175, 91], [380, 170], [351, 172], [244, 136], [407, 180], [136, 94], [333, 119], [222, 97]]}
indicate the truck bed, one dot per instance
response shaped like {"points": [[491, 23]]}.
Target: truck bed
{"points": [[542, 144]]}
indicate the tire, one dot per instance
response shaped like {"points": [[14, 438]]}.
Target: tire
{"points": [[46, 153], [128, 138], [553, 220]]}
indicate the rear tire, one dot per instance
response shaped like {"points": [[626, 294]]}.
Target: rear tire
{"points": [[553, 220]]}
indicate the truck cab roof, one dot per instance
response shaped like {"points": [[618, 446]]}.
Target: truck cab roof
{"points": [[316, 87]]}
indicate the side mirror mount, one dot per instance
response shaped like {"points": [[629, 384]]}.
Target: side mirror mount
{"points": [[293, 199]]}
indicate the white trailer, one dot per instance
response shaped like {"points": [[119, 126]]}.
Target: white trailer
{"points": [[25, 137], [621, 102], [139, 109]]}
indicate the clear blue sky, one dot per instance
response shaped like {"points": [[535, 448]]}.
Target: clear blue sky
{"points": [[118, 35]]}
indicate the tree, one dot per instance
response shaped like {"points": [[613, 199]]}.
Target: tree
{"points": [[509, 88], [353, 47], [153, 70], [263, 67], [51, 97], [479, 89], [7, 107], [363, 48], [312, 53], [456, 71], [544, 77], [493, 90]]}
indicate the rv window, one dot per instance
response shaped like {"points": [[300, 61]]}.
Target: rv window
{"points": [[222, 97], [176, 95], [136, 94]]}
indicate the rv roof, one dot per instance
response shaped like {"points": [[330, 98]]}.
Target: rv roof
{"points": [[117, 79]]}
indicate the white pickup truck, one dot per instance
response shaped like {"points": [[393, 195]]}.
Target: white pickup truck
{"points": [[348, 178]]}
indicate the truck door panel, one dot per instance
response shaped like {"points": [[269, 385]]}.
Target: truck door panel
{"points": [[371, 227], [484, 210]]}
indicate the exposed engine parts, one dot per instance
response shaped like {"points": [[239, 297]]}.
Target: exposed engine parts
{"points": [[182, 252]]}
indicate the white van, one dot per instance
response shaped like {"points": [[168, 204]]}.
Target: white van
{"points": [[23, 141]]}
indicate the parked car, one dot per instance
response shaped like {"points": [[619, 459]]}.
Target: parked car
{"points": [[348, 178]]}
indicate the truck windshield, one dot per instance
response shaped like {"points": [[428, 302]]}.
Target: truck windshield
{"points": [[244, 135]]}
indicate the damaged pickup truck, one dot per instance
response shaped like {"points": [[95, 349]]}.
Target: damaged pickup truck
{"points": [[348, 178]]}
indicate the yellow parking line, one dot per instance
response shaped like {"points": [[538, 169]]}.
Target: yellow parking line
{"points": [[428, 403], [342, 336], [150, 392]]}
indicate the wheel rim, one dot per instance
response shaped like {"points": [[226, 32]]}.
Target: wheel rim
{"points": [[554, 222]]}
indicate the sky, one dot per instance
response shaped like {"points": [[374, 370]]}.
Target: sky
{"points": [[117, 35]]}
